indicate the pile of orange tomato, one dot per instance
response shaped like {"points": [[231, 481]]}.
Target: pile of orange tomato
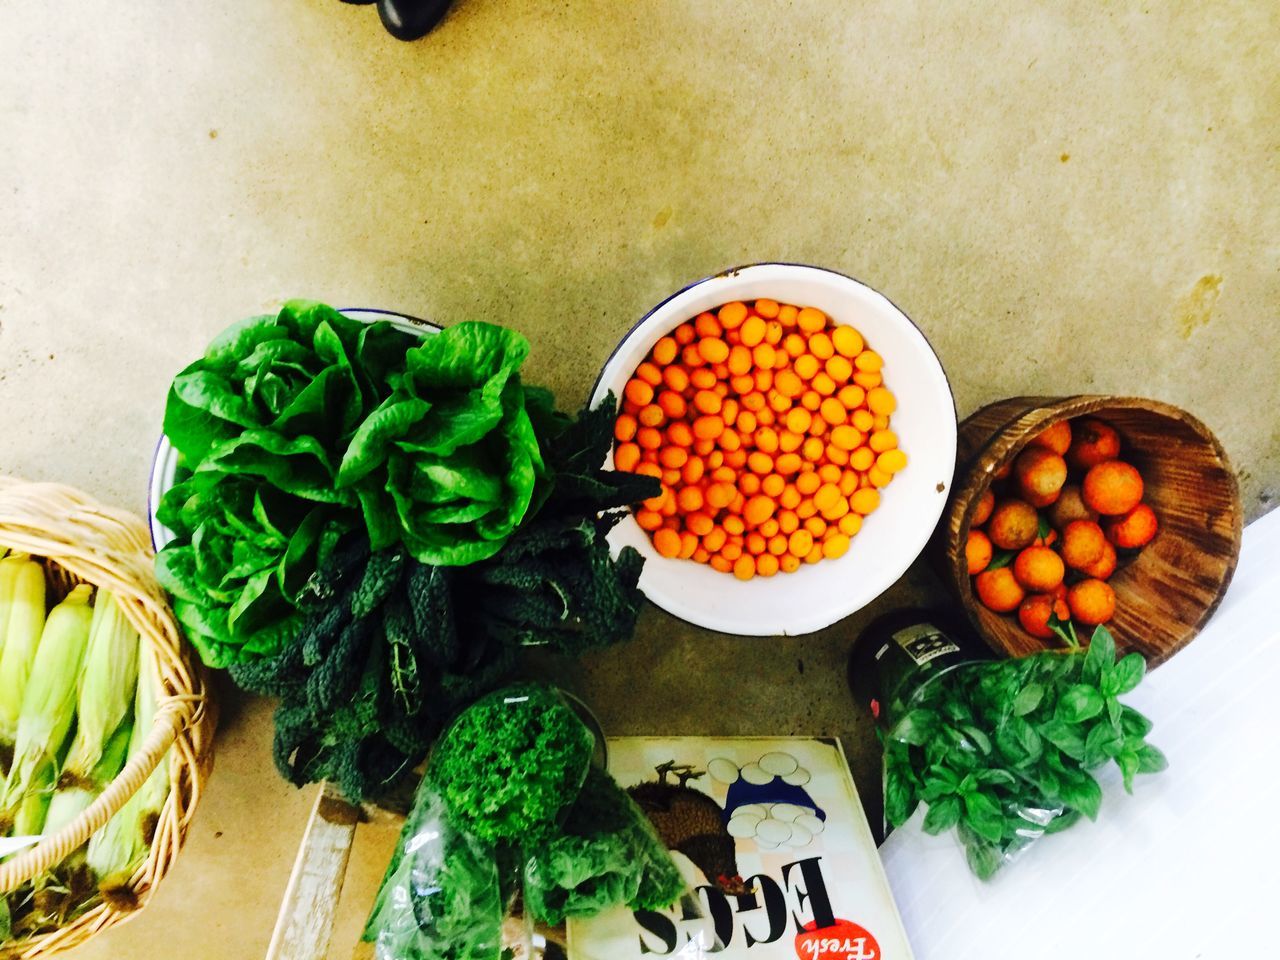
{"points": [[1044, 541]]}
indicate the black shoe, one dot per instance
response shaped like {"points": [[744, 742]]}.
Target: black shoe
{"points": [[411, 19]]}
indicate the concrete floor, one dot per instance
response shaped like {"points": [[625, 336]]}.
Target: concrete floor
{"points": [[1067, 197]]}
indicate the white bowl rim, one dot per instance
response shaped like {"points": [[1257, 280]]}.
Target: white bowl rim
{"points": [[164, 461], [799, 624]]}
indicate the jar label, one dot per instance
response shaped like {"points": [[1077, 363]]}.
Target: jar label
{"points": [[924, 642]]}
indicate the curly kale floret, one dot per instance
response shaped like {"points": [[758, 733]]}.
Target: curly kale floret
{"points": [[511, 763], [606, 855]]}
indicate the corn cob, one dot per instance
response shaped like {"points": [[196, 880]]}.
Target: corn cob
{"points": [[70, 883], [119, 847], [48, 710], [72, 799], [107, 687], [22, 636]]}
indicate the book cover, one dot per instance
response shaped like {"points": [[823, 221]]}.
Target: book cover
{"points": [[772, 838]]}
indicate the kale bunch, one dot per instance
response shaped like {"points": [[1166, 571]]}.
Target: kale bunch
{"points": [[555, 582], [377, 668], [390, 647], [511, 763]]}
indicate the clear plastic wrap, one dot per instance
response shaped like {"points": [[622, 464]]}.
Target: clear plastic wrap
{"points": [[607, 854], [1002, 751], [513, 826], [440, 897]]}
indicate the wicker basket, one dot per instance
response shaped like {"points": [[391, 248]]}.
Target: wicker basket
{"points": [[82, 541]]}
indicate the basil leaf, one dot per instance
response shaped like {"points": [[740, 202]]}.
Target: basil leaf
{"points": [[996, 777], [1018, 741], [1115, 714], [915, 727], [1065, 736], [935, 789], [899, 801], [1132, 723], [1028, 699], [1063, 820], [1083, 795], [977, 738], [1101, 654], [1079, 702], [1127, 674], [983, 816], [1128, 762], [1102, 743], [942, 815], [984, 859], [1151, 759]]}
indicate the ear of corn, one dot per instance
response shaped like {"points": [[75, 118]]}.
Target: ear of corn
{"points": [[119, 847], [48, 710], [106, 694], [70, 883], [72, 799], [8, 570], [22, 636]]}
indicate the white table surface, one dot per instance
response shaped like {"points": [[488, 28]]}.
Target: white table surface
{"points": [[1185, 869]]}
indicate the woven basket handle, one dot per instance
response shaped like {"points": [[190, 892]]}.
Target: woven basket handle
{"points": [[172, 716]]}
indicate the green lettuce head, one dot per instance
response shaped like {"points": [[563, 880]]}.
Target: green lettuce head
{"points": [[279, 397], [449, 464], [243, 552], [296, 429]]}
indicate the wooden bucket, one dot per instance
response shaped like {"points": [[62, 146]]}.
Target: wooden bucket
{"points": [[1165, 594]]}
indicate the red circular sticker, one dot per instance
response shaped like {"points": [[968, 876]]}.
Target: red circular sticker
{"points": [[845, 940]]}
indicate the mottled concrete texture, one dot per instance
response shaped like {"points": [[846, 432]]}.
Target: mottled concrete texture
{"points": [[1066, 197]]}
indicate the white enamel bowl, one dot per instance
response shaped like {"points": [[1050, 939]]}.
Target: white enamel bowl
{"points": [[817, 595], [164, 466]]}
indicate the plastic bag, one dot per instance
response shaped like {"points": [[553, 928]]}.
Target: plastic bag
{"points": [[440, 897], [1004, 751], [511, 803], [607, 854]]}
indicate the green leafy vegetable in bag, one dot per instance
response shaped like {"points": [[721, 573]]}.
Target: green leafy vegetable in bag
{"points": [[440, 898], [509, 797], [1002, 752], [511, 763], [607, 854]]}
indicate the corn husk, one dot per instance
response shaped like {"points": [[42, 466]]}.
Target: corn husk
{"points": [[25, 623], [108, 685], [48, 711], [117, 850]]}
